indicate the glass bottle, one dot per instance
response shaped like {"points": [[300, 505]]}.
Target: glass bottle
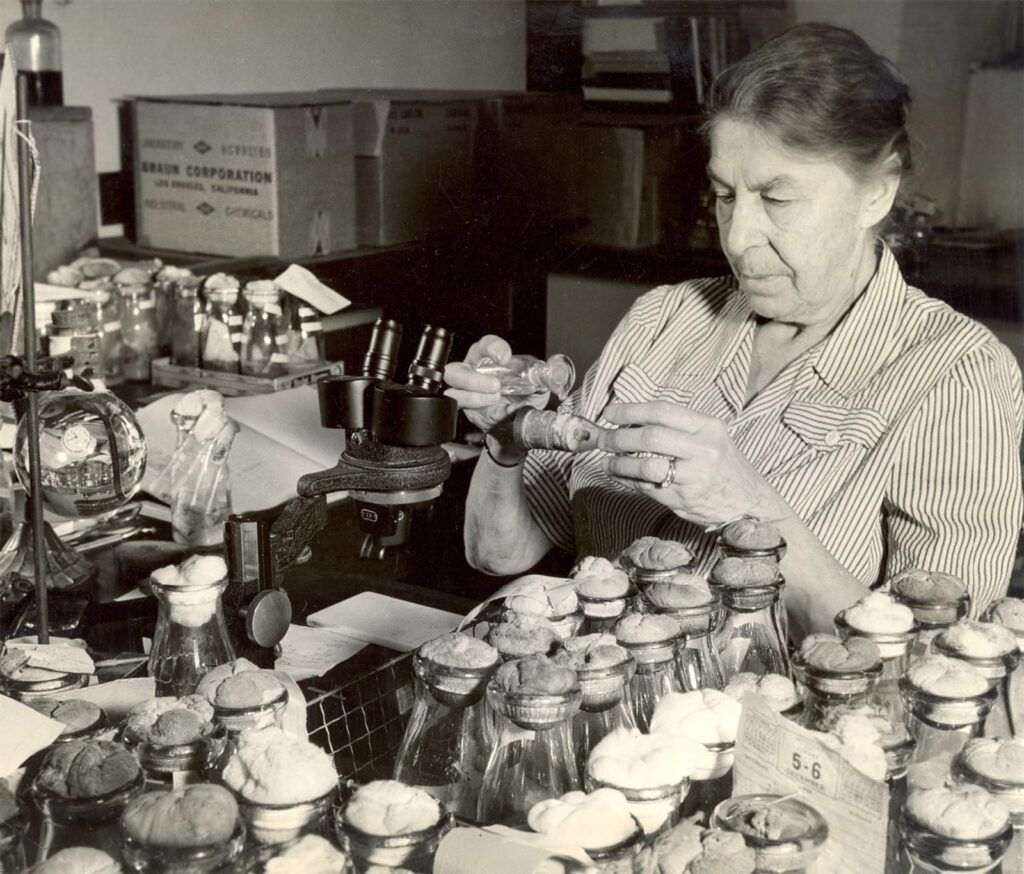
{"points": [[752, 634], [191, 636], [35, 43], [525, 375], [8, 506], [700, 666], [174, 766], [601, 612], [830, 694], [895, 651], [170, 478], [606, 705], [793, 852], [931, 853], [263, 350], [305, 337], [977, 763], [72, 333], [444, 749], [187, 319], [532, 759], [165, 288], [998, 669], [936, 600], [1009, 612], [222, 331], [657, 674], [202, 503], [138, 332], [941, 725], [105, 320]]}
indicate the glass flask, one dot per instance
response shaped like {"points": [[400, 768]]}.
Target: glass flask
{"points": [[187, 319], [138, 332], [700, 666], [202, 503], [35, 43], [88, 821], [222, 331], [752, 634], [937, 601], [191, 636], [167, 481], [941, 725], [525, 375], [92, 452], [830, 694], [657, 674], [998, 668], [895, 651], [412, 851], [605, 706], [444, 750], [305, 337], [939, 854], [977, 763], [533, 758], [264, 350], [793, 853]]}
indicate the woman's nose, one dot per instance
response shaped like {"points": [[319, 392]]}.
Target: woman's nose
{"points": [[745, 228]]}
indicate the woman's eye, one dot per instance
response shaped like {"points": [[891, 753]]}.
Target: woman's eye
{"points": [[724, 197], [774, 201]]}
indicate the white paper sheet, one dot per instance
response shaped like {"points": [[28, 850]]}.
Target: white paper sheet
{"points": [[25, 732], [117, 697], [312, 652], [775, 755], [391, 622], [301, 282]]}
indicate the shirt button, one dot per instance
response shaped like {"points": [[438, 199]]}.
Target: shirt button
{"points": [[832, 438]]}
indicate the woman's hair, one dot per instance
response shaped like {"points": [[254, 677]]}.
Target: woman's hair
{"points": [[821, 89]]}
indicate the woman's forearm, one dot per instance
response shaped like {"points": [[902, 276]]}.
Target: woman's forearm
{"points": [[501, 536]]}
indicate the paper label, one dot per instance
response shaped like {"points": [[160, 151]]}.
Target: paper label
{"points": [[775, 755], [234, 319], [273, 309], [306, 287], [311, 327], [146, 304], [306, 312], [197, 321], [110, 327], [236, 337], [278, 358]]}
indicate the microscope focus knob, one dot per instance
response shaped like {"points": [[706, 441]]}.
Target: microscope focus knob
{"points": [[267, 617]]}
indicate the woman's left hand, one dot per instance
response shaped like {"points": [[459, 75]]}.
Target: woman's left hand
{"points": [[693, 468]]}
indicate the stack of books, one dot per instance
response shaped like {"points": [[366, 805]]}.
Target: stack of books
{"points": [[626, 61]]}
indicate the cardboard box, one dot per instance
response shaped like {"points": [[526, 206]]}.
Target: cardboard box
{"points": [[414, 163], [66, 214], [245, 174], [528, 159], [636, 181]]}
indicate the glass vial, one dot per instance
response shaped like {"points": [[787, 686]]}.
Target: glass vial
{"points": [[752, 636], [525, 375], [657, 674], [305, 337], [941, 725], [35, 43], [829, 694], [263, 350], [606, 706], [222, 331], [187, 320], [102, 305], [191, 636]]}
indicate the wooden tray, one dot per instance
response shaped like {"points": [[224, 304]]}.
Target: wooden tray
{"points": [[177, 376]]}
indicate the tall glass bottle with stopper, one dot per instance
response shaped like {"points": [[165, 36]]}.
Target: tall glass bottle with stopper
{"points": [[444, 750], [747, 580], [891, 626], [991, 648], [937, 600], [35, 43], [524, 375], [838, 677], [947, 701], [532, 759]]}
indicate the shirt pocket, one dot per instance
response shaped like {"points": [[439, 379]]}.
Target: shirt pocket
{"points": [[818, 430], [634, 385]]}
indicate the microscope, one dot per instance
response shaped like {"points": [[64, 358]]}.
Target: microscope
{"points": [[393, 463]]}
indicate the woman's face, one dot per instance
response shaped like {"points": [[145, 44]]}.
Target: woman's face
{"points": [[791, 224]]}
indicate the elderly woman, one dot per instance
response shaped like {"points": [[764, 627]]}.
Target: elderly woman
{"points": [[877, 428]]}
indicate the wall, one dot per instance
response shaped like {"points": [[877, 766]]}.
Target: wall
{"points": [[933, 44], [114, 48]]}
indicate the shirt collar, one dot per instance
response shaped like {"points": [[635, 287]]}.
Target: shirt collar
{"points": [[863, 339]]}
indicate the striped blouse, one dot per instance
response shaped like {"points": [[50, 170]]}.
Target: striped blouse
{"points": [[896, 439]]}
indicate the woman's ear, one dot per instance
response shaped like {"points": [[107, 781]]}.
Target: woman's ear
{"points": [[880, 193]]}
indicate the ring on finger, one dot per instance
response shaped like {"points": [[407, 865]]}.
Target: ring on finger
{"points": [[670, 477]]}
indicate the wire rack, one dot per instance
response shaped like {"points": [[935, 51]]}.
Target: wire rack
{"points": [[360, 719]]}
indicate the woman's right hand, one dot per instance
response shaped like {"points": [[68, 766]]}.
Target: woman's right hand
{"points": [[478, 394]]}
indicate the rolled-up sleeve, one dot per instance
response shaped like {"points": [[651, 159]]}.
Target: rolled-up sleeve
{"points": [[955, 493]]}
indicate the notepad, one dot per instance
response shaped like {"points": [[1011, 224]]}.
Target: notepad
{"points": [[391, 622]]}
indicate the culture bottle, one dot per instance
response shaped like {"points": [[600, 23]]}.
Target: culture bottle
{"points": [[222, 331], [829, 694], [936, 600], [605, 706], [138, 332], [263, 350], [187, 319], [657, 674], [445, 748], [941, 724], [35, 43]]}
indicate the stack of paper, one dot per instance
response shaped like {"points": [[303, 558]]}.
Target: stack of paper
{"points": [[391, 622]]}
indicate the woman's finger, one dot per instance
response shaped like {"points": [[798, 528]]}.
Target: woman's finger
{"points": [[471, 400], [658, 439], [664, 413], [463, 378], [649, 468]]}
